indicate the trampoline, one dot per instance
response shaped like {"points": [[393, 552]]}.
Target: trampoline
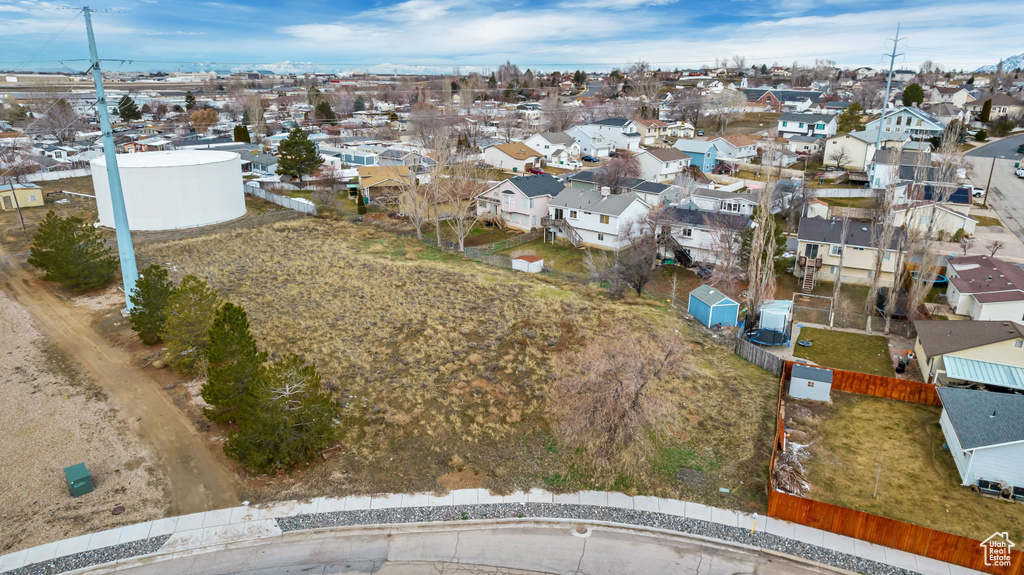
{"points": [[769, 337], [901, 305], [939, 279]]}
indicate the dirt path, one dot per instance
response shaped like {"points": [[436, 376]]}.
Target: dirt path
{"points": [[197, 480]]}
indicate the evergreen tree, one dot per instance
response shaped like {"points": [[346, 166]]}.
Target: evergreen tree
{"points": [[298, 155], [190, 100], [981, 135], [149, 303], [986, 111], [72, 253], [191, 308], [764, 69], [360, 104], [361, 204], [127, 109], [325, 113], [245, 117], [291, 420], [232, 364], [492, 82], [313, 96], [579, 78], [850, 119], [242, 134], [913, 94]]}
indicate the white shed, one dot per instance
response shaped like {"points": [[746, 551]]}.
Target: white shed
{"points": [[810, 383], [528, 264], [985, 434]]}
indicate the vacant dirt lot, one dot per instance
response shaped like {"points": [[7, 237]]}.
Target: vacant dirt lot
{"points": [[441, 365], [858, 441], [54, 417]]}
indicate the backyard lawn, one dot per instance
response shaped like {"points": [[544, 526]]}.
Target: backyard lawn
{"points": [[560, 256], [480, 234], [887, 457], [845, 350], [850, 202]]}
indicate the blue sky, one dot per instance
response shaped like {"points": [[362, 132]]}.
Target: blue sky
{"points": [[471, 34]]}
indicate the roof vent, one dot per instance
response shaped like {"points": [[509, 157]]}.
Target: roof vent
{"points": [[993, 414], [863, 229], [1006, 324]]}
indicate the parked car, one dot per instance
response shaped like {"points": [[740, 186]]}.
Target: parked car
{"points": [[700, 132], [572, 165], [535, 171], [975, 191], [613, 154], [1019, 172], [590, 159], [1020, 149]]}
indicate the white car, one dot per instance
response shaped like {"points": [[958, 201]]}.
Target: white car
{"points": [[1019, 172], [572, 165], [975, 190]]}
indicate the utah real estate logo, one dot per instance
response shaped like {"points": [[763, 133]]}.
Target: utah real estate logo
{"points": [[997, 549]]}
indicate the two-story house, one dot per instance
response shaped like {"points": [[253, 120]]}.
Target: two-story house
{"points": [[736, 147], [591, 141], [340, 157], [652, 193], [819, 125], [702, 154], [618, 133], [857, 149], [986, 341], [515, 156], [1002, 105], [651, 131], [956, 95], [662, 164], [721, 201], [695, 233], [594, 218], [909, 120], [558, 148], [521, 201], [820, 249]]}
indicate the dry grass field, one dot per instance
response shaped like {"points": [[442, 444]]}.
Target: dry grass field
{"points": [[441, 365], [859, 441]]}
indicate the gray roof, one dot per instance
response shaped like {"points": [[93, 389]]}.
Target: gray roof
{"points": [[807, 139], [812, 373], [593, 201], [538, 185], [831, 232], [590, 176], [691, 216], [870, 136], [984, 418], [558, 138], [941, 337], [724, 195], [612, 122], [693, 146], [806, 118], [710, 295]]}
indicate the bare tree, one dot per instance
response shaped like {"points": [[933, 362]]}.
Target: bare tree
{"points": [[60, 120], [686, 105], [612, 397], [965, 245], [739, 61], [615, 172], [455, 193], [643, 82], [414, 200], [725, 241], [724, 104], [254, 109], [14, 164], [637, 258], [994, 246], [327, 180], [508, 125], [840, 155], [881, 239], [761, 261], [838, 282], [558, 116]]}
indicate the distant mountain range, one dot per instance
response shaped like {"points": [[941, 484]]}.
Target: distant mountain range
{"points": [[288, 67], [1009, 64]]}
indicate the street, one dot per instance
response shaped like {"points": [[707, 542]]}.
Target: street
{"points": [[1006, 193]]}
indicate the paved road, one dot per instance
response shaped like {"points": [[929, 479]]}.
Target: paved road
{"points": [[1005, 147], [592, 89], [485, 549], [1006, 194]]}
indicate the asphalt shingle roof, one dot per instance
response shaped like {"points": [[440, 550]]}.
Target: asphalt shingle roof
{"points": [[539, 185], [590, 176], [612, 122], [983, 418], [593, 201], [831, 232], [812, 373], [941, 337], [676, 216], [806, 118]]}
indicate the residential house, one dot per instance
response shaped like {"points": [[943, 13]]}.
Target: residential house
{"points": [[944, 219], [515, 156], [856, 149], [340, 157], [651, 131], [558, 148], [910, 120], [377, 182], [521, 201], [14, 196], [148, 145], [820, 125], [652, 193], [1002, 105], [985, 288], [721, 201], [262, 163], [610, 133], [820, 248], [736, 147], [956, 95], [988, 341], [696, 233], [778, 98], [985, 434], [805, 145], [395, 156], [662, 164], [703, 154], [594, 218], [947, 113]]}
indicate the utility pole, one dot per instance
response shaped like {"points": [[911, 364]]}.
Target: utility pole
{"points": [[988, 186], [125, 249], [888, 86]]}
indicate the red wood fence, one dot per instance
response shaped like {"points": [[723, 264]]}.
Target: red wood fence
{"points": [[907, 537]]}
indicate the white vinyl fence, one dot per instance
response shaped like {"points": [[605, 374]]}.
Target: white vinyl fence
{"points": [[297, 204], [58, 175]]}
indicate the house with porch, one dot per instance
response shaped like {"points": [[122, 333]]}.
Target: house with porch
{"points": [[819, 125], [593, 218], [702, 154], [522, 202], [821, 249], [736, 147], [985, 288], [909, 120], [662, 164], [515, 156], [695, 233]]}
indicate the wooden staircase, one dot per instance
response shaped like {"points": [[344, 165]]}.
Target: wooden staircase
{"points": [[563, 227], [810, 268]]}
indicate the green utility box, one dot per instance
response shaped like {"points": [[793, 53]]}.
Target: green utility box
{"points": [[79, 480]]}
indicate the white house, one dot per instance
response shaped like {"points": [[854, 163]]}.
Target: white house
{"points": [[736, 147], [592, 142], [909, 120], [619, 133], [594, 218], [653, 193], [985, 288], [662, 164], [721, 201], [558, 148], [521, 201], [805, 145], [515, 156], [955, 95], [856, 149], [985, 434], [947, 219], [820, 125], [696, 233]]}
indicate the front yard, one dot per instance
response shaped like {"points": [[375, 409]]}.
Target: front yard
{"points": [[845, 350]]}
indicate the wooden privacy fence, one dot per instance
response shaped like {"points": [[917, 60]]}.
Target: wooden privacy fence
{"points": [[877, 385], [760, 357], [908, 537]]}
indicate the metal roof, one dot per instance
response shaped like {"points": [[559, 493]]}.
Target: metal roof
{"points": [[989, 373], [812, 373], [983, 418], [710, 295]]}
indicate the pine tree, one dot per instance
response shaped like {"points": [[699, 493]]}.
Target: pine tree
{"points": [[986, 111], [72, 253], [361, 204], [298, 155], [232, 364], [127, 109], [850, 119], [191, 308], [149, 303], [325, 113], [360, 104], [291, 421], [764, 69], [913, 94], [242, 134], [190, 100]]}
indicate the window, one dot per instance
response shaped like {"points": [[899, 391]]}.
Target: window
{"points": [[836, 250], [870, 273], [524, 202], [832, 270], [533, 221], [600, 237], [785, 124], [687, 232], [1018, 343], [605, 219], [821, 126], [531, 203], [31, 197], [572, 214], [810, 384], [801, 124], [886, 256]]}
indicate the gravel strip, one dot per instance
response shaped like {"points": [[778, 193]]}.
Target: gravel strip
{"points": [[591, 513], [91, 558]]}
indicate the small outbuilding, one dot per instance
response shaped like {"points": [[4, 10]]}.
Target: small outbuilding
{"points": [[713, 308], [808, 382], [529, 264], [14, 196]]}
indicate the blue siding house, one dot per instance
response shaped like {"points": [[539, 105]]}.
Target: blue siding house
{"points": [[703, 154], [712, 307]]}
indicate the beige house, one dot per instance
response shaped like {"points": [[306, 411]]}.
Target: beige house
{"points": [[858, 148], [515, 156], [26, 195], [1002, 105], [822, 250], [948, 219], [990, 341]]}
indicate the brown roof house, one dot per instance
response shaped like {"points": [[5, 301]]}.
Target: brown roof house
{"points": [[982, 341], [662, 165], [515, 156], [985, 288]]}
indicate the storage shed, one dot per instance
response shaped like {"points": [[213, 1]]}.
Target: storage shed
{"points": [[529, 264], [713, 308], [809, 382]]}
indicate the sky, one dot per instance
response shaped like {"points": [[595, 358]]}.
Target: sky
{"points": [[478, 35]]}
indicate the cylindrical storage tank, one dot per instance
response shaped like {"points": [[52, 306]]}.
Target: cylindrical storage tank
{"points": [[173, 189]]}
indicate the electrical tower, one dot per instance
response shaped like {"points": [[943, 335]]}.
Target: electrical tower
{"points": [[888, 85]]}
